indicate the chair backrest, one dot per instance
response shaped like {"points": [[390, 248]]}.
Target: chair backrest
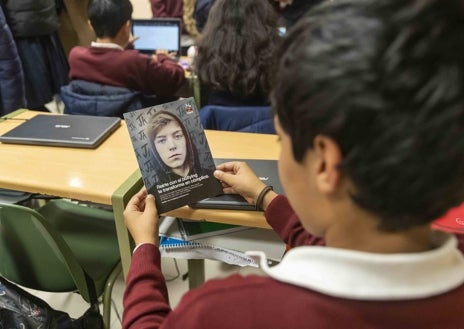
{"points": [[34, 255], [255, 119], [89, 98]]}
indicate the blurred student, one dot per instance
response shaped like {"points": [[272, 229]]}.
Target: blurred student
{"points": [[34, 25], [236, 52], [109, 61], [12, 92], [366, 90], [182, 9]]}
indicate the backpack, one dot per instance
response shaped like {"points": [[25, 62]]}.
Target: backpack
{"points": [[20, 309]]}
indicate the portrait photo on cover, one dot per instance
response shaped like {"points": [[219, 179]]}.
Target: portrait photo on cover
{"points": [[173, 153]]}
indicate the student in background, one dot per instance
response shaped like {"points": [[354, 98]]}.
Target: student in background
{"points": [[167, 8], [12, 93], [74, 28], [34, 25], [182, 9], [200, 13], [108, 61], [236, 53], [366, 90]]}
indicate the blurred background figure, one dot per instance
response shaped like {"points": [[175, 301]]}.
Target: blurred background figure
{"points": [[34, 25], [12, 92], [74, 29], [236, 53], [182, 9], [200, 13]]}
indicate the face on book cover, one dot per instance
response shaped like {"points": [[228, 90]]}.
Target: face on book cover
{"points": [[171, 146]]}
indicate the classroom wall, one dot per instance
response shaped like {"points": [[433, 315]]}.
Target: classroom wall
{"points": [[141, 9]]}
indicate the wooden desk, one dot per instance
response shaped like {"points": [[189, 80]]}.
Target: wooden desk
{"points": [[87, 175], [110, 175]]}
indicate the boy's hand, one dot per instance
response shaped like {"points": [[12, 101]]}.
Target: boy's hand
{"points": [[141, 218], [238, 177], [164, 52], [130, 43]]}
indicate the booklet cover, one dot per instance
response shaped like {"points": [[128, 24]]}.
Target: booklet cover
{"points": [[173, 154]]}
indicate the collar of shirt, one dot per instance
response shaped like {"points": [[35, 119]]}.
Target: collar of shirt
{"points": [[105, 45], [370, 276]]}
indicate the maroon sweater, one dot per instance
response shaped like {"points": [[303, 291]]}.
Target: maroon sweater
{"points": [[126, 68], [168, 8], [255, 302]]}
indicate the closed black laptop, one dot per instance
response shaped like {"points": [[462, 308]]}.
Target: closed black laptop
{"points": [[81, 131], [157, 33], [265, 169]]}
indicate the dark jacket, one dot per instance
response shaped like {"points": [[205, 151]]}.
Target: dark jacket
{"points": [[89, 98], [12, 93], [253, 119], [28, 18]]}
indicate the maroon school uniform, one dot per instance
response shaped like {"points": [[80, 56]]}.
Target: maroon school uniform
{"points": [[126, 68], [313, 287]]}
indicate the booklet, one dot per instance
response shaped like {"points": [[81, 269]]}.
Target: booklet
{"points": [[173, 154]]}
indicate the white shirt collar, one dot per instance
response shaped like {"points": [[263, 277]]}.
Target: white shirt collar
{"points": [[106, 45], [368, 276]]}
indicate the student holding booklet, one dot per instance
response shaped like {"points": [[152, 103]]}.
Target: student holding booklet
{"points": [[366, 90]]}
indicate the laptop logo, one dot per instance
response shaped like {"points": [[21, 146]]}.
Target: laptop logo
{"points": [[62, 126], [264, 178]]}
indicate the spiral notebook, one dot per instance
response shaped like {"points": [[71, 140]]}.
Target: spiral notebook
{"points": [[177, 248]]}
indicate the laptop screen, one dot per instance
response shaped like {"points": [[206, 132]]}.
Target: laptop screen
{"points": [[157, 33]]}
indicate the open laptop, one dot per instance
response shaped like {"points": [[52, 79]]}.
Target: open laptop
{"points": [[157, 33], [82, 131], [266, 171]]}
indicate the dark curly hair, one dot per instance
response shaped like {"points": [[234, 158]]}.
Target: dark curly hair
{"points": [[385, 79], [236, 49]]}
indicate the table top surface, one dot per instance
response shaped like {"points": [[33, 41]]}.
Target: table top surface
{"points": [[95, 174]]}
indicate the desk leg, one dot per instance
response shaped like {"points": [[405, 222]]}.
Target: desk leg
{"points": [[196, 272], [119, 200]]}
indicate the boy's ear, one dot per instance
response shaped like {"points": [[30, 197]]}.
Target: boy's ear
{"points": [[328, 157]]}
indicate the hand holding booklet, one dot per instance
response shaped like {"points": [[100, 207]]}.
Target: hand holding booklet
{"points": [[173, 154]]}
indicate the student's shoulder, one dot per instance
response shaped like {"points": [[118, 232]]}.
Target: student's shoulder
{"points": [[234, 286], [78, 50]]}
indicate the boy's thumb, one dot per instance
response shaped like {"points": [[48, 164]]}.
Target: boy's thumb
{"points": [[150, 204], [224, 176], [218, 174]]}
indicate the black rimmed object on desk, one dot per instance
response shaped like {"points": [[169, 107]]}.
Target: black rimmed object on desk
{"points": [[80, 131], [267, 172], [157, 33]]}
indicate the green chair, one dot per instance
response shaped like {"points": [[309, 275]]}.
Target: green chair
{"points": [[61, 247]]}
